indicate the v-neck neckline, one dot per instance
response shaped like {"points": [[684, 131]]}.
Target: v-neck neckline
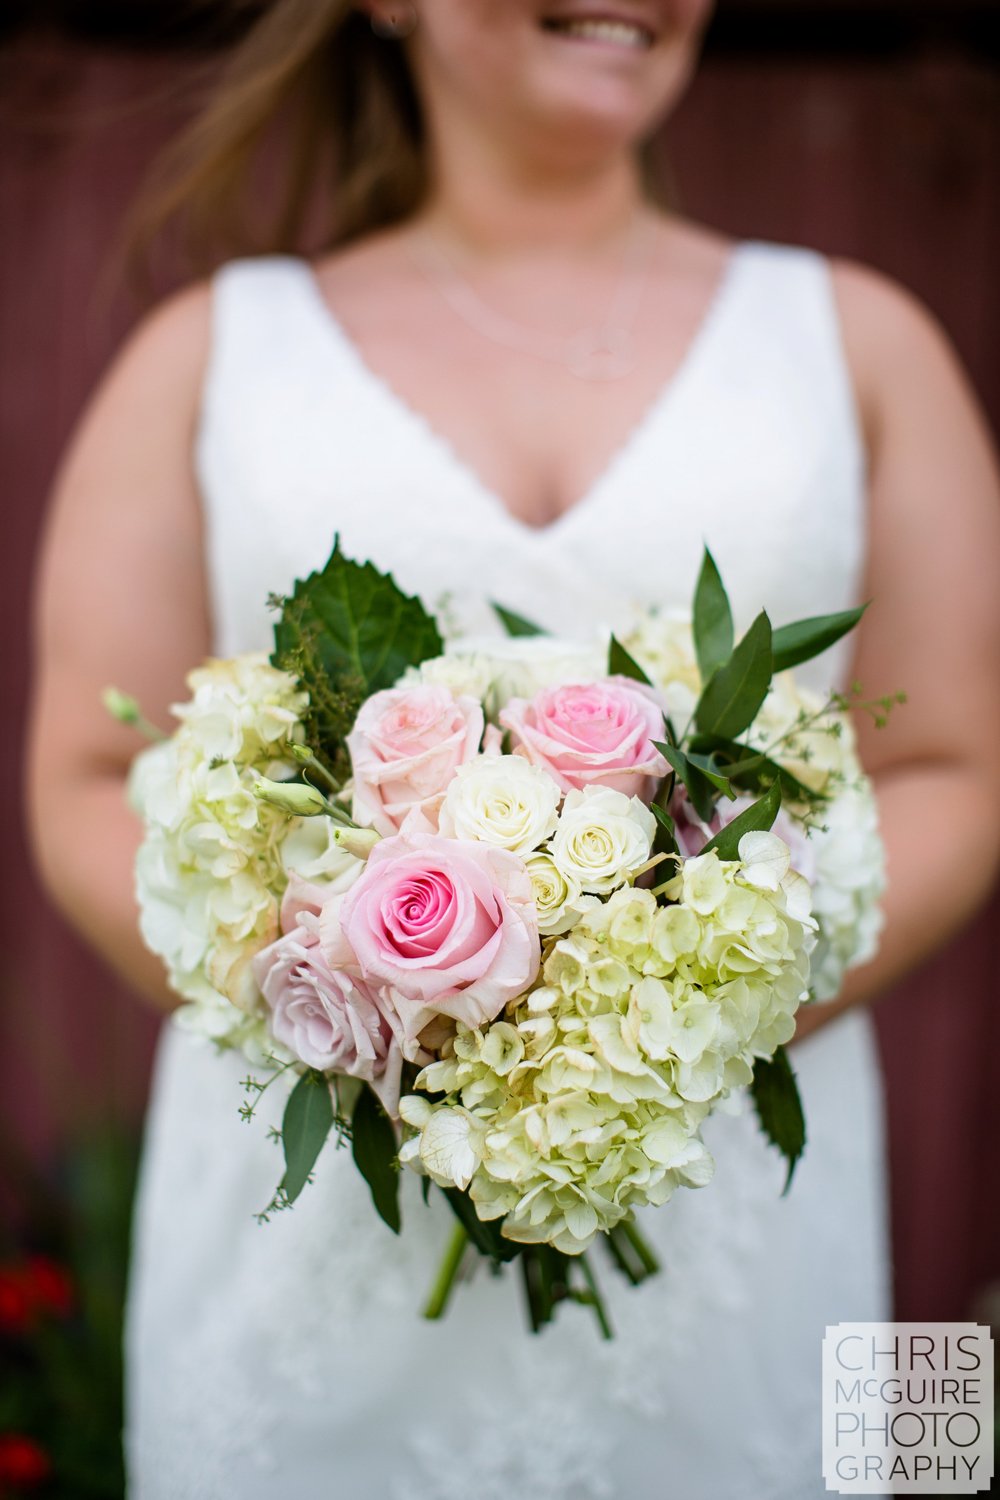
{"points": [[656, 409]]}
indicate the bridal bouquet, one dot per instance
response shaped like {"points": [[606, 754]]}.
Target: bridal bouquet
{"points": [[517, 914]]}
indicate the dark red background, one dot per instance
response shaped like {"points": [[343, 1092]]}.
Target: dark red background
{"points": [[874, 138]]}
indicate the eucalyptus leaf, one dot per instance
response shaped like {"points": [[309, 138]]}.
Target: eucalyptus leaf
{"points": [[665, 841], [759, 816], [779, 1108], [373, 1145], [515, 624], [713, 619], [305, 1126], [701, 786], [804, 639], [747, 766], [622, 664], [717, 774], [732, 697]]}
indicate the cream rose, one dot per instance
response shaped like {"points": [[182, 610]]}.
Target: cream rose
{"points": [[558, 899], [502, 800], [602, 838]]}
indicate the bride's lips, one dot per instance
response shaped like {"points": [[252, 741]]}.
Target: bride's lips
{"points": [[602, 25]]}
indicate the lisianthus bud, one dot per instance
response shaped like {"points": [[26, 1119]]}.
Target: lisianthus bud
{"points": [[291, 796], [121, 706], [357, 841]]}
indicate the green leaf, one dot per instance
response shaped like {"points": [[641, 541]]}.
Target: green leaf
{"points": [[484, 1233], [760, 815], [515, 624], [621, 664], [304, 1129], [779, 1108], [804, 639], [373, 1146], [732, 697], [665, 841], [749, 767], [345, 633], [713, 619], [701, 784]]}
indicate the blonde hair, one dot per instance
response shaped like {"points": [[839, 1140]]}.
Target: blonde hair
{"points": [[312, 82]]}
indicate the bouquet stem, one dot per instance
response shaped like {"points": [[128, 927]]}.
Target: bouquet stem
{"points": [[649, 1262], [441, 1290]]}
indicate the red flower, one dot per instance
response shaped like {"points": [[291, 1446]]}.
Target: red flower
{"points": [[23, 1463], [48, 1285], [16, 1306]]}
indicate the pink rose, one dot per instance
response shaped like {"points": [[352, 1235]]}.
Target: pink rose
{"points": [[405, 747], [448, 925], [326, 1017], [592, 734]]}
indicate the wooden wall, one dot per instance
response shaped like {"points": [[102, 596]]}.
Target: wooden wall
{"points": [[869, 132]]}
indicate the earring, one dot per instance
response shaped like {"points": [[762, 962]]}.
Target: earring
{"points": [[400, 22]]}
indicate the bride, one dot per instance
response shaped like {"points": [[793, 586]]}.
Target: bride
{"points": [[513, 374]]}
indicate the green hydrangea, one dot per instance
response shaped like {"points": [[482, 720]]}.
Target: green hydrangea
{"points": [[585, 1100]]}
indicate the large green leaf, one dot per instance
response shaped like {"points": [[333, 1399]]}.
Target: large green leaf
{"points": [[779, 1108], [713, 619], [516, 624], [304, 1129], [621, 664], [759, 816], [732, 697], [804, 639], [346, 632], [373, 1144]]}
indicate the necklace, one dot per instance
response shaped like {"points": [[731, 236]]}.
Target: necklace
{"points": [[596, 352]]}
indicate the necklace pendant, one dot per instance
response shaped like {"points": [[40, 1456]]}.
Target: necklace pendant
{"points": [[600, 354]]}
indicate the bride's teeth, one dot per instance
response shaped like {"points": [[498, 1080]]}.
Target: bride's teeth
{"points": [[621, 32]]}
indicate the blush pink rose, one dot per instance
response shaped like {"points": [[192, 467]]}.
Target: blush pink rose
{"points": [[592, 734], [448, 925], [326, 1017], [405, 747]]}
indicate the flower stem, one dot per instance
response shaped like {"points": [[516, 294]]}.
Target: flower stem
{"points": [[649, 1261], [592, 1298], [441, 1290]]}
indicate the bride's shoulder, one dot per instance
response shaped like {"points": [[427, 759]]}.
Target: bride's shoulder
{"points": [[897, 348]]}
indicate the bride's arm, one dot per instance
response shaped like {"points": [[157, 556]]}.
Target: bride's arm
{"points": [[120, 601], [932, 630]]}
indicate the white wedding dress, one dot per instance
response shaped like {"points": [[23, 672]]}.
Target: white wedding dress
{"points": [[289, 1359]]}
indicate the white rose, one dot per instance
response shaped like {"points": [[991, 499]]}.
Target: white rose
{"points": [[602, 838], [502, 800], [558, 900]]}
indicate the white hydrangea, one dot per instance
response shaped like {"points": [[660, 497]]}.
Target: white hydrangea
{"points": [[662, 642], [817, 745], [844, 854], [212, 867], [585, 1100], [850, 882], [495, 669]]}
